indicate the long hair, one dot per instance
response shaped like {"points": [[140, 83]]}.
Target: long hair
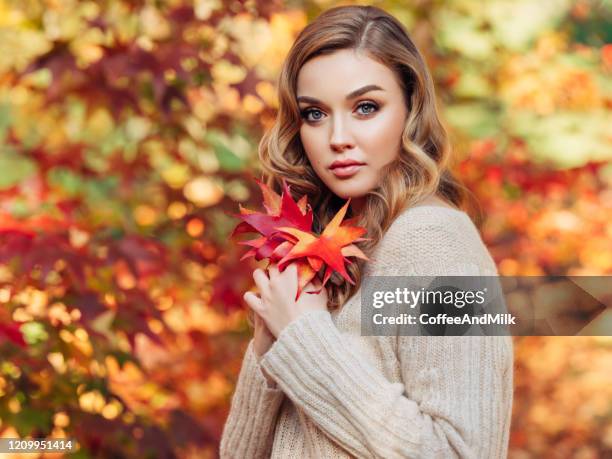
{"points": [[421, 169]]}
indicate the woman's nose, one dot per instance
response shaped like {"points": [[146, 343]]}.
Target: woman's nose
{"points": [[341, 138]]}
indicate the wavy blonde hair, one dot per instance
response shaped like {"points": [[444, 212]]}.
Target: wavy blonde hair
{"points": [[421, 169]]}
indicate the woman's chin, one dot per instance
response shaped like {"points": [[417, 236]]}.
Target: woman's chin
{"points": [[349, 194], [349, 189]]}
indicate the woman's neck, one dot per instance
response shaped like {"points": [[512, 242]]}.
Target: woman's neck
{"points": [[434, 200], [357, 204]]}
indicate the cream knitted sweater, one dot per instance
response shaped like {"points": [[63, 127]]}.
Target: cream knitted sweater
{"points": [[337, 394]]}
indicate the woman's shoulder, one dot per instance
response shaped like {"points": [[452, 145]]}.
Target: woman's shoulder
{"points": [[428, 216], [433, 237]]}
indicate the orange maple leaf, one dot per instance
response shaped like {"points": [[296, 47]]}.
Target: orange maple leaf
{"points": [[330, 248], [280, 211], [285, 231]]}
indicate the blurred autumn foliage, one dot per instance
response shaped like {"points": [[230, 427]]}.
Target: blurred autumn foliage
{"points": [[128, 128]]}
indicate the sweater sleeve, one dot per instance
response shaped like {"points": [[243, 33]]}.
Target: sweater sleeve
{"points": [[369, 416], [249, 428], [455, 395]]}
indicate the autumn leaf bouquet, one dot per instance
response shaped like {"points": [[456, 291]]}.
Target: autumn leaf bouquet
{"points": [[285, 235]]}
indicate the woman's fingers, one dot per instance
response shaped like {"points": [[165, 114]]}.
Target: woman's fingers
{"points": [[261, 280], [273, 270], [257, 320], [253, 301]]}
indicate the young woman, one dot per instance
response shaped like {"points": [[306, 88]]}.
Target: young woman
{"points": [[358, 119]]}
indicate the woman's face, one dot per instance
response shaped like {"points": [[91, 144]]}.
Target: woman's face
{"points": [[353, 109]]}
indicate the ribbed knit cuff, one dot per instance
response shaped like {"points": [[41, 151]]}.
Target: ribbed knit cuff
{"points": [[254, 362], [249, 428], [312, 350], [322, 373]]}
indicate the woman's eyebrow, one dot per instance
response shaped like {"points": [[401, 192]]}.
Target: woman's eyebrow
{"points": [[352, 95]]}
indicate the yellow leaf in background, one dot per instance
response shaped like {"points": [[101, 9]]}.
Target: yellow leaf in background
{"points": [[204, 318], [153, 24], [145, 215], [264, 44], [92, 402], [208, 162], [176, 210], [21, 315], [56, 359], [252, 105], [267, 92], [5, 294], [567, 87], [58, 314], [551, 44], [203, 192], [284, 26], [216, 50], [205, 394], [228, 98], [188, 149], [204, 8], [78, 238], [63, 24], [195, 227], [34, 300], [237, 190], [252, 37], [61, 419], [137, 128], [596, 254], [202, 101], [100, 124], [87, 48], [18, 47], [10, 16], [195, 127], [145, 43], [175, 320], [112, 409], [225, 72], [176, 175]]}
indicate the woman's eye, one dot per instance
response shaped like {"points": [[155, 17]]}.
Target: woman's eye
{"points": [[317, 114], [314, 114], [368, 107]]}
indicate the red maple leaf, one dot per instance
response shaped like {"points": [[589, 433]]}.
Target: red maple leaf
{"points": [[331, 248], [286, 235], [12, 333], [281, 211]]}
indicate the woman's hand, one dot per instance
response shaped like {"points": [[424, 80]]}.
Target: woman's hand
{"points": [[262, 339], [277, 305]]}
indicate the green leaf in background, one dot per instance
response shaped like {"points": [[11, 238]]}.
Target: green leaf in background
{"points": [[14, 167], [65, 179], [516, 24], [5, 119], [232, 152], [31, 419], [566, 139], [464, 34], [477, 119], [34, 332], [473, 83]]}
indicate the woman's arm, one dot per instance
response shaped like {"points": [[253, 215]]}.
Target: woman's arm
{"points": [[249, 428], [459, 412]]}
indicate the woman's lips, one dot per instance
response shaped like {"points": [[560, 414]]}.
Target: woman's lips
{"points": [[346, 171]]}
